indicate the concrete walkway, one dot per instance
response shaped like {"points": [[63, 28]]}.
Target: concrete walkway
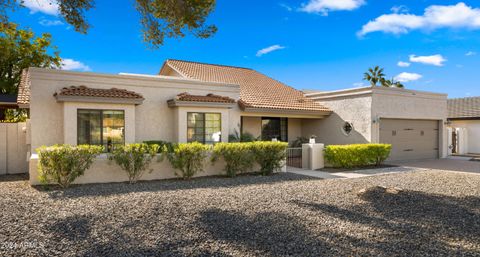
{"points": [[456, 164], [350, 174]]}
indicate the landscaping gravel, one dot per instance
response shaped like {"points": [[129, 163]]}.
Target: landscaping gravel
{"points": [[422, 213]]}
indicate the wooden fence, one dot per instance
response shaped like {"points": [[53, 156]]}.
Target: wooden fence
{"points": [[13, 148]]}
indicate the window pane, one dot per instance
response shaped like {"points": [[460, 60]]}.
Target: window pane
{"points": [[89, 127], [113, 129], [204, 127], [97, 127], [275, 128]]}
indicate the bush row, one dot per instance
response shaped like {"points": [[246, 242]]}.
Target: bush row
{"points": [[62, 164], [357, 155]]}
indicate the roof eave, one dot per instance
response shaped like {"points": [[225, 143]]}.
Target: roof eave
{"points": [[95, 99], [178, 103], [287, 112]]}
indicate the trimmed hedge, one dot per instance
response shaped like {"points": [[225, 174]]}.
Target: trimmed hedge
{"points": [[188, 158], [62, 164], [357, 155], [269, 155], [238, 157], [134, 159], [163, 145]]}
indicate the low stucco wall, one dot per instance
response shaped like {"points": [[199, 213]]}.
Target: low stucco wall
{"points": [[106, 171]]}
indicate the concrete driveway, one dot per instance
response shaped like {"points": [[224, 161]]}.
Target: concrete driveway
{"points": [[461, 164]]}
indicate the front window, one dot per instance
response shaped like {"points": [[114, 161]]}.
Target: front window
{"points": [[274, 128], [101, 127], [204, 127]]}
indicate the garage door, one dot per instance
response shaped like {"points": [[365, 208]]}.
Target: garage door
{"points": [[410, 139]]}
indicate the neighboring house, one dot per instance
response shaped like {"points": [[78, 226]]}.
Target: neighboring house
{"points": [[190, 101], [464, 131]]}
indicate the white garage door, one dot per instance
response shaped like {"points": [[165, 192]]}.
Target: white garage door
{"points": [[410, 139]]}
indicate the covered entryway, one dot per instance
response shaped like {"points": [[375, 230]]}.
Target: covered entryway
{"points": [[410, 139]]}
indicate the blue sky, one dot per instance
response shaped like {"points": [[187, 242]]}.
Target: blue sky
{"points": [[308, 44]]}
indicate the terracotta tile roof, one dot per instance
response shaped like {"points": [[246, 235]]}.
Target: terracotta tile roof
{"points": [[210, 98], [97, 92], [468, 107], [23, 97], [256, 90]]}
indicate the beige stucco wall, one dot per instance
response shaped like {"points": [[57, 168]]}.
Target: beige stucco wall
{"points": [[353, 109], [364, 107], [70, 119], [106, 171], [410, 104], [473, 133], [294, 129], [152, 120], [252, 125]]}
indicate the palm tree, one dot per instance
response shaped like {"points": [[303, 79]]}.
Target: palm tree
{"points": [[391, 83], [374, 75]]}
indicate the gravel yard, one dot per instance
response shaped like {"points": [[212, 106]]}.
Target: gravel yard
{"points": [[435, 214]]}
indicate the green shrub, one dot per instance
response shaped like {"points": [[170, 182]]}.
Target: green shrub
{"points": [[238, 157], [269, 155], [189, 158], [134, 159], [357, 155], [241, 137], [62, 164], [164, 145]]}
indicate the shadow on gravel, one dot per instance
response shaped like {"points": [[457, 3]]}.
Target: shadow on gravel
{"points": [[268, 233], [72, 228], [13, 177], [412, 222], [171, 185]]}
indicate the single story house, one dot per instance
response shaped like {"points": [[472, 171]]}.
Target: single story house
{"points": [[191, 101], [464, 125]]}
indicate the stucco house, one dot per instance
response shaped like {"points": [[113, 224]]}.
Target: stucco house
{"points": [[464, 125], [191, 101]]}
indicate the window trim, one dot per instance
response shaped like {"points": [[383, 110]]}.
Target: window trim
{"points": [[101, 123], [205, 126]]}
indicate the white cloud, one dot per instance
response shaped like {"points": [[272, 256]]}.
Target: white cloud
{"points": [[470, 53], [358, 84], [44, 6], [403, 64], [407, 77], [269, 49], [286, 7], [434, 17], [436, 60], [325, 6], [48, 23], [399, 9], [70, 64]]}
